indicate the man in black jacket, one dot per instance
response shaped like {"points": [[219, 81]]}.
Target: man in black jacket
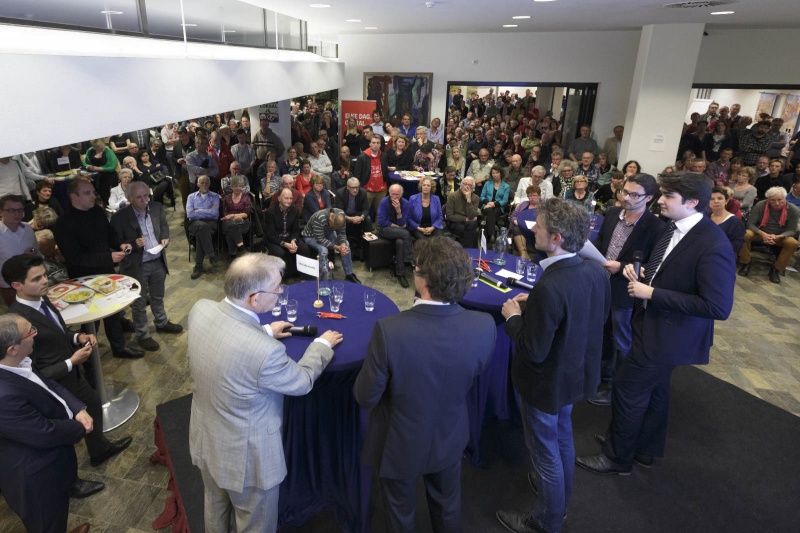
{"points": [[353, 201], [282, 231], [557, 359]]}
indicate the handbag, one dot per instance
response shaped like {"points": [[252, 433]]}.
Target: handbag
{"points": [[158, 176]]}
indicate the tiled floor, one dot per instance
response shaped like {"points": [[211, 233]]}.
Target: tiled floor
{"points": [[757, 349]]}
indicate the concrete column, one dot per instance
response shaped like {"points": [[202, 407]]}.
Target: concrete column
{"points": [[660, 93]]}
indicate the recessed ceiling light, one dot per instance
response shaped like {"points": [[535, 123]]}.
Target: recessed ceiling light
{"points": [[722, 13], [520, 17], [189, 25], [228, 31], [509, 25], [107, 12], [320, 5], [370, 27], [353, 20]]}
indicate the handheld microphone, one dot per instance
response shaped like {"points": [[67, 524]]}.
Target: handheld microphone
{"points": [[513, 282], [492, 281], [637, 262], [303, 331]]}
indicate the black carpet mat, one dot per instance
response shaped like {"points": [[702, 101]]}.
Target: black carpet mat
{"points": [[731, 465]]}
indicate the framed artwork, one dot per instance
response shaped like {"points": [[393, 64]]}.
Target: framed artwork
{"points": [[766, 104], [791, 109], [397, 93]]}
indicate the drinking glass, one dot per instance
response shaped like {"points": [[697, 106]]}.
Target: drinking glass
{"points": [[284, 295], [521, 266], [336, 300], [338, 286], [531, 272], [476, 275], [276, 311], [369, 300], [291, 310]]}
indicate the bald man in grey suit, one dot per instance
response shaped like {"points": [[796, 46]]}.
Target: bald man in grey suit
{"points": [[241, 373]]}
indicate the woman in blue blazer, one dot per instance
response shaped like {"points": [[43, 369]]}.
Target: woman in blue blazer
{"points": [[425, 216], [317, 198], [494, 198]]}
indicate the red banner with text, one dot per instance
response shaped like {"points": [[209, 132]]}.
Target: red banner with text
{"points": [[361, 110]]}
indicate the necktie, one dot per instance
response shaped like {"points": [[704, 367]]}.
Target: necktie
{"points": [[46, 312], [655, 261]]}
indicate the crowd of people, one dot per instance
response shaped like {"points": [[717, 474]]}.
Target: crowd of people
{"points": [[492, 159]]}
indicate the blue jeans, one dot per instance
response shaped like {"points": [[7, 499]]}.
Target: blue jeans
{"points": [[549, 441], [347, 260]]}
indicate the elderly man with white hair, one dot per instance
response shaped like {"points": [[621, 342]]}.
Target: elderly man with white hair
{"points": [[537, 178], [774, 222]]}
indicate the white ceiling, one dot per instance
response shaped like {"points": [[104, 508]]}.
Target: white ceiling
{"points": [[488, 16]]}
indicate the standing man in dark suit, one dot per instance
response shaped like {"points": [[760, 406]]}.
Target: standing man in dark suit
{"points": [[58, 354], [142, 226], [557, 331], [39, 424], [627, 230], [688, 283], [415, 381]]}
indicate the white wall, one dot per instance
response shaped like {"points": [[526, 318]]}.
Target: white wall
{"points": [[607, 58]]}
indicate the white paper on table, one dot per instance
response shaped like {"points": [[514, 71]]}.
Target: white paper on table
{"points": [[74, 311], [63, 160], [307, 266], [115, 299], [504, 274], [593, 254], [530, 223], [155, 249]]}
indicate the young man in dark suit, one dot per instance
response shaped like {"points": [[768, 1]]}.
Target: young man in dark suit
{"points": [[58, 354], [687, 285], [627, 230], [556, 331], [415, 382]]}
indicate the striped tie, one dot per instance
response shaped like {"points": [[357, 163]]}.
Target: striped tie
{"points": [[655, 261]]}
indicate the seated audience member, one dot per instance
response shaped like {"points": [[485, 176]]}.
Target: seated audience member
{"points": [[514, 174], [421, 139], [719, 170], [154, 175], [794, 195], [269, 178], [287, 182], [586, 167], [202, 210], [326, 229], [479, 169], [328, 144], [282, 230], [340, 176], [225, 184], [494, 198], [46, 209], [728, 222], [457, 161], [236, 209], [63, 158], [566, 173], [352, 199], [462, 210], [142, 226], [302, 182], [775, 178], [16, 237], [425, 217], [608, 192], [88, 253], [426, 159], [393, 226], [537, 178], [579, 192], [448, 183], [604, 168], [762, 166], [119, 194], [102, 160], [40, 421], [291, 165], [583, 144], [317, 198], [774, 222], [534, 195], [319, 161], [400, 157], [743, 190]]}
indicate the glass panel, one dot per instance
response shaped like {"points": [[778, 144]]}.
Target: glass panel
{"points": [[272, 29], [164, 18], [204, 19], [243, 24], [289, 33], [120, 14]]}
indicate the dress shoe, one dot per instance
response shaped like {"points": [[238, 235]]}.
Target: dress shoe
{"points": [[353, 278], [402, 281], [83, 488], [517, 522], [198, 270], [128, 353], [149, 344], [127, 325], [83, 528], [774, 275], [600, 464], [601, 398], [745, 270], [169, 327], [116, 447], [643, 460]]}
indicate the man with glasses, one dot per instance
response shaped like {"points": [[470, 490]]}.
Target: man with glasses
{"points": [[36, 478], [237, 408], [461, 213], [16, 236], [628, 230], [352, 199]]}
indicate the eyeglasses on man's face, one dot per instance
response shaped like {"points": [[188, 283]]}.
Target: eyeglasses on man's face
{"points": [[633, 195], [30, 334]]}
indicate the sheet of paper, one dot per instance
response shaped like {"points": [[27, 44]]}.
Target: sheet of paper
{"points": [[530, 224], [504, 274], [593, 254], [115, 299], [307, 266], [74, 311], [155, 249], [63, 160]]}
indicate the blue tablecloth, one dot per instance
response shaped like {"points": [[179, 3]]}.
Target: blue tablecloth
{"points": [[323, 430]]}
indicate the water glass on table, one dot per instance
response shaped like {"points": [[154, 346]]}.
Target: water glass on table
{"points": [[531, 272], [369, 300], [338, 286], [283, 297], [521, 266], [291, 310], [337, 294], [276, 311]]}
